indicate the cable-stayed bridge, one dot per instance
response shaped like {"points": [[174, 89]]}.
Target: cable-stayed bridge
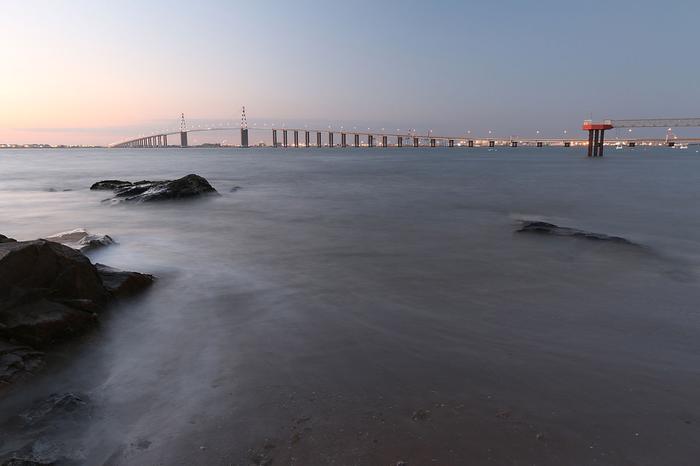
{"points": [[307, 137]]}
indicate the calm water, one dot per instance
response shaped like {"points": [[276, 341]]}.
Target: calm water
{"points": [[306, 317]]}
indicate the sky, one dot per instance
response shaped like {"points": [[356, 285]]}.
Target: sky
{"points": [[94, 72]]}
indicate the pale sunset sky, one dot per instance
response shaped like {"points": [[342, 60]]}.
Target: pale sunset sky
{"points": [[93, 72]]}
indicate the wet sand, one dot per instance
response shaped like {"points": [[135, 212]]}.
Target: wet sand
{"points": [[372, 309]]}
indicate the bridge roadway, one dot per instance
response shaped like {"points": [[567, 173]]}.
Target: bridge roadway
{"points": [[161, 139], [596, 136]]}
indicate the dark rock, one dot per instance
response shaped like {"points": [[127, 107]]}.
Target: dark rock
{"points": [[121, 283], [421, 415], [56, 406], [39, 452], [43, 322], [143, 444], [43, 268], [146, 191], [235, 188], [504, 413], [81, 239], [17, 361], [5, 239], [50, 292], [28, 461], [110, 185], [555, 230]]}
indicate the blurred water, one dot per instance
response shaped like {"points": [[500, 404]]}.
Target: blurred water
{"points": [[337, 283]]}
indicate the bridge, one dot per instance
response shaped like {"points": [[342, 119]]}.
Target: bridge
{"points": [[596, 131], [595, 141]]}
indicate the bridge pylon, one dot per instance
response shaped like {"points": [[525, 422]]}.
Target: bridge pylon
{"points": [[183, 131], [244, 129]]}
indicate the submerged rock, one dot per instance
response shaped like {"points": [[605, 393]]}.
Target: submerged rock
{"points": [[41, 452], [146, 191], [16, 361], [50, 292], [29, 461], [57, 405], [81, 239], [120, 283], [545, 228]]}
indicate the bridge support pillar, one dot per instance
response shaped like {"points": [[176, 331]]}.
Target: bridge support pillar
{"points": [[567, 144], [307, 138], [513, 143], [539, 143], [385, 142], [296, 138], [451, 142], [183, 138], [596, 135], [631, 144], [492, 143], [370, 141], [470, 143], [432, 142], [165, 140], [274, 138], [284, 138], [330, 139], [399, 141], [416, 142], [318, 139], [244, 137], [343, 140], [671, 143], [357, 140]]}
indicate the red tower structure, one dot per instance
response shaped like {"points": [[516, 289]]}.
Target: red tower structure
{"points": [[596, 136]]}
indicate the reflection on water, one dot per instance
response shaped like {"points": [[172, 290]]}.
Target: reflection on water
{"points": [[307, 316]]}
